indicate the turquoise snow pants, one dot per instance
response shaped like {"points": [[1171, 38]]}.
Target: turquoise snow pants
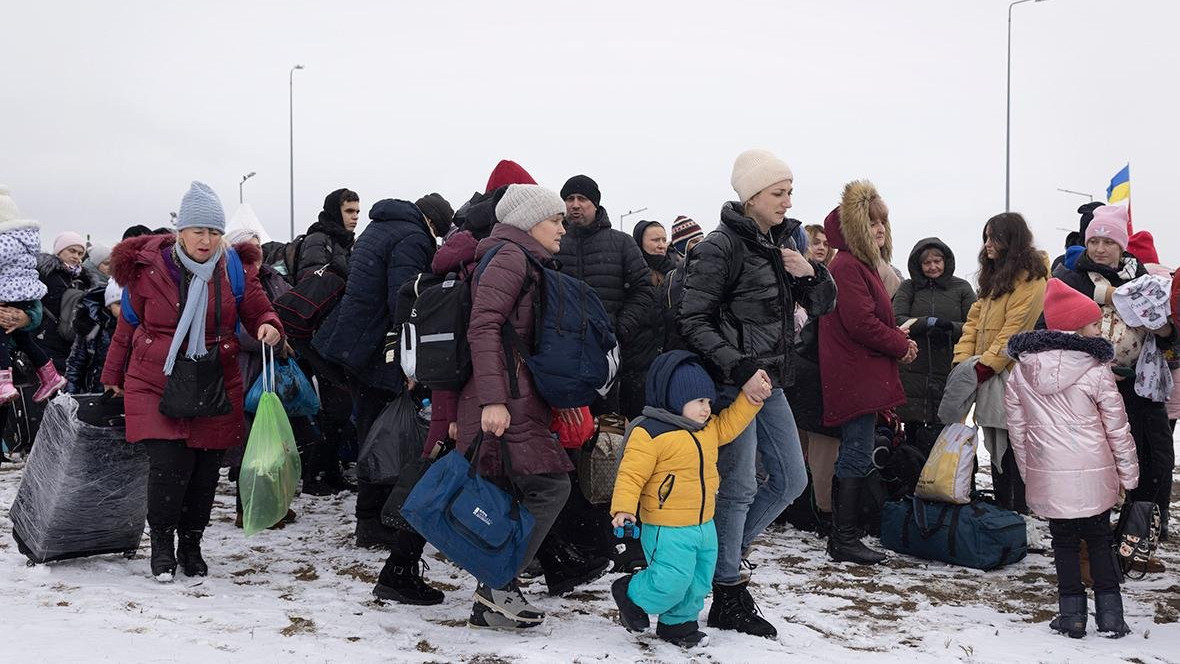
{"points": [[679, 574]]}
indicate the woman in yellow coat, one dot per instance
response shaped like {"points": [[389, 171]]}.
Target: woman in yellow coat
{"points": [[1012, 279], [669, 471]]}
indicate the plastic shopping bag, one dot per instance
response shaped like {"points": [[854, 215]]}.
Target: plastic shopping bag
{"points": [[291, 385], [270, 467], [946, 477], [396, 437]]}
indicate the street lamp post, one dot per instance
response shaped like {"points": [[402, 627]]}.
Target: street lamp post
{"points": [[628, 214], [291, 85], [241, 197], [1008, 125]]}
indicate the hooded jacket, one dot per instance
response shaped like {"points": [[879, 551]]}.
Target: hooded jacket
{"points": [[135, 361], [504, 292], [613, 265], [668, 470], [859, 344], [327, 241], [395, 247], [57, 279], [947, 298], [93, 328], [738, 303], [20, 244], [1067, 425], [651, 336]]}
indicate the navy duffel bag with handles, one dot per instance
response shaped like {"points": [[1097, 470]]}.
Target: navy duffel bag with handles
{"points": [[980, 534]]}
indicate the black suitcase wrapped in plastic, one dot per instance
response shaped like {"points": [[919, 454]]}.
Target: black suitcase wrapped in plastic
{"points": [[84, 489]]}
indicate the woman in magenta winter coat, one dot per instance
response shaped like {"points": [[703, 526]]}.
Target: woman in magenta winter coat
{"points": [[185, 454], [513, 424], [859, 347]]}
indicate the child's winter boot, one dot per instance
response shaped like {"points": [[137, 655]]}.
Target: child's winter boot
{"points": [[8, 391], [1108, 613], [51, 382], [1071, 619], [685, 635]]}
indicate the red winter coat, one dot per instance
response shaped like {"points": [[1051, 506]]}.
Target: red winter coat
{"points": [[859, 343], [145, 267], [496, 297]]}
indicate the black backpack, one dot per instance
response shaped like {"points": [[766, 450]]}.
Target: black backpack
{"points": [[433, 341]]}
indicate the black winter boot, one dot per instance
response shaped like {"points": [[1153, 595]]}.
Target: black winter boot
{"points": [[1108, 614], [372, 534], [872, 500], [567, 567], [402, 582], [631, 615], [844, 543], [163, 554], [823, 523], [685, 635], [734, 608], [1071, 616], [188, 553]]}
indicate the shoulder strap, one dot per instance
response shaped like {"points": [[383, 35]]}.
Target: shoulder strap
{"points": [[237, 274], [125, 309]]}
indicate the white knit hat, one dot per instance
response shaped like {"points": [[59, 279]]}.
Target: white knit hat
{"points": [[8, 209], [98, 253], [112, 294], [526, 205], [755, 170]]}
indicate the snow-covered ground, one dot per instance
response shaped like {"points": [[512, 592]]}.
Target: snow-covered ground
{"points": [[302, 594]]}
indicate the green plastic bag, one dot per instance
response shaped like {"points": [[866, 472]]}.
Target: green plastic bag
{"points": [[270, 468]]}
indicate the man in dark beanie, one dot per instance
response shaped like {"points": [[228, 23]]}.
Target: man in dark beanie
{"points": [[438, 212], [612, 264], [136, 231]]}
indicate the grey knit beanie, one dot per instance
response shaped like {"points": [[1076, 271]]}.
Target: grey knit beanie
{"points": [[526, 205], [200, 208], [755, 170]]}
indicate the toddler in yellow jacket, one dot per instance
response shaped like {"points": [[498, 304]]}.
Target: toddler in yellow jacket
{"points": [[669, 470]]}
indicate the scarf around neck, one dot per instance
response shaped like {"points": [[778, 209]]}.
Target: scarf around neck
{"points": [[192, 317]]}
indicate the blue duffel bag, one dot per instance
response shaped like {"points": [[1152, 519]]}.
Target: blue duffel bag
{"points": [[979, 534], [476, 524]]}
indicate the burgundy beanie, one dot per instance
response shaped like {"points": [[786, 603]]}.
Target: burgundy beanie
{"points": [[507, 172], [1141, 245]]}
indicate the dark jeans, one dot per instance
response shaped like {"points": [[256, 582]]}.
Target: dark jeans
{"points": [[1153, 443], [181, 484], [25, 342], [1095, 530]]}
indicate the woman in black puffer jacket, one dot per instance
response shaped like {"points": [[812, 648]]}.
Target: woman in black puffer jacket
{"points": [[737, 312], [940, 302]]}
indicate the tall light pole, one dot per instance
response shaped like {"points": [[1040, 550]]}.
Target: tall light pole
{"points": [[291, 85], [628, 214], [1008, 126], [241, 198]]}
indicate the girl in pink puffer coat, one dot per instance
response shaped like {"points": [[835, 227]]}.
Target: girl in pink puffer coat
{"points": [[1069, 433]]}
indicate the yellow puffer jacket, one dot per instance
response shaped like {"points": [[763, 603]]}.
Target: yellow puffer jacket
{"points": [[992, 321], [673, 477]]}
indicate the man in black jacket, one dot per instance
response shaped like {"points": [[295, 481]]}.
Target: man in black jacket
{"points": [[612, 264], [328, 242]]}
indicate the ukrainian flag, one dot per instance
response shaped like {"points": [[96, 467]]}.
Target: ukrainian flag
{"points": [[1120, 186]]}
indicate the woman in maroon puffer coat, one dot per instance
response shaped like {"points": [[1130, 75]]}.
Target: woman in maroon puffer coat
{"points": [[530, 219], [185, 454], [859, 348]]}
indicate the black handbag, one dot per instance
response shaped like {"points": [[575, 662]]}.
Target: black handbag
{"points": [[1136, 537], [196, 387]]}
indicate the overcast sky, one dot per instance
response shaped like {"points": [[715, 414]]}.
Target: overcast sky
{"points": [[108, 110]]}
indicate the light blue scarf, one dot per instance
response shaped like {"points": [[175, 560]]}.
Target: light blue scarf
{"points": [[192, 317]]}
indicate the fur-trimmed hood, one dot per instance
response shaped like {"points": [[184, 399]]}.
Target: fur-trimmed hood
{"points": [[847, 226], [133, 253], [1052, 360], [17, 224]]}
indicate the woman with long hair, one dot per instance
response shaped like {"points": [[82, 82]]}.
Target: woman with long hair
{"points": [[1012, 278]]}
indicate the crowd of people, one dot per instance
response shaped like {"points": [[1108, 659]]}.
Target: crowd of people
{"points": [[758, 363]]}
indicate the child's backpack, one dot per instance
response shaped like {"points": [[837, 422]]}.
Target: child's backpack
{"points": [[237, 284]]}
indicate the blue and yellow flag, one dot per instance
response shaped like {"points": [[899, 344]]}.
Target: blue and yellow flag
{"points": [[1120, 186]]}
